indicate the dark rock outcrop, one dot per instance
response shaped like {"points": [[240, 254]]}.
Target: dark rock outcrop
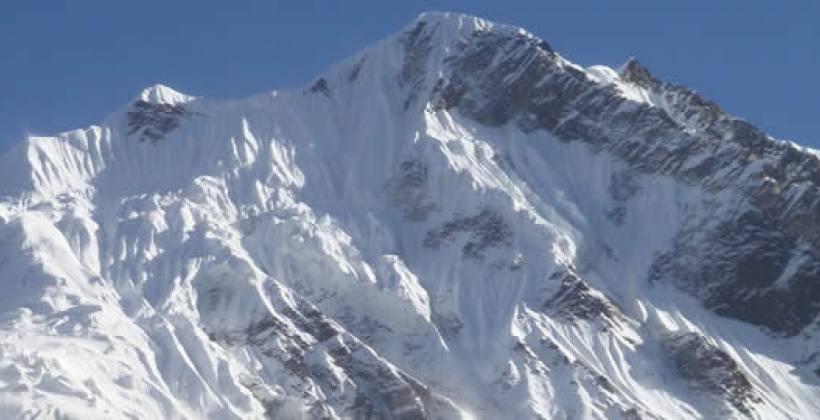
{"points": [[706, 366], [505, 77], [150, 122], [486, 229]]}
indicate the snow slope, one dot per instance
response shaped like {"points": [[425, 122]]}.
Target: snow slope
{"points": [[454, 223]]}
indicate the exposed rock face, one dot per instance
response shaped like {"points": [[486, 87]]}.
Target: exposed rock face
{"points": [[320, 86], [408, 190], [417, 44], [576, 300], [710, 368], [747, 268], [319, 369], [485, 229], [634, 72], [152, 121], [499, 78]]}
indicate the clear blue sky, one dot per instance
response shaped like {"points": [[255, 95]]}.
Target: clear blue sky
{"points": [[65, 64]]}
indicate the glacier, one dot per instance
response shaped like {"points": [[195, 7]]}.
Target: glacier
{"points": [[454, 223]]}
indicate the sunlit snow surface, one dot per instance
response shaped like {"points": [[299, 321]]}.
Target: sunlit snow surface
{"points": [[339, 251]]}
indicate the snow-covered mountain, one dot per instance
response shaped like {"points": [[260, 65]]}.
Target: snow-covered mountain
{"points": [[455, 223]]}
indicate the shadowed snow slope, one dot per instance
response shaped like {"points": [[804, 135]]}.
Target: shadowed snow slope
{"points": [[455, 223]]}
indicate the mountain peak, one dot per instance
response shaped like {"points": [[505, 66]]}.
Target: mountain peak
{"points": [[450, 18], [453, 26], [161, 94], [635, 72]]}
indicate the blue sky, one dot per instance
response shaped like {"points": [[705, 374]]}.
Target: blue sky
{"points": [[65, 64]]}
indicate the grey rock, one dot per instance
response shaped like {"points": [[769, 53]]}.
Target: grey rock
{"points": [[151, 122]]}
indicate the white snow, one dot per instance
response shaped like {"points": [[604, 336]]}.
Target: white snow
{"points": [[161, 94]]}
